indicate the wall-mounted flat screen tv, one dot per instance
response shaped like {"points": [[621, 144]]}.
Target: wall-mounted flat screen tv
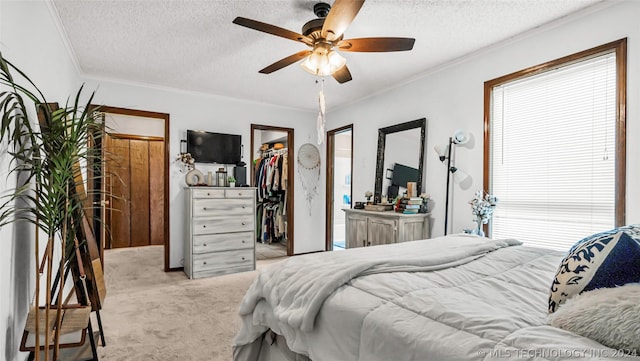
{"points": [[403, 174], [208, 147]]}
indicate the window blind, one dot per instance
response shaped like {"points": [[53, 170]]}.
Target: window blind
{"points": [[552, 157]]}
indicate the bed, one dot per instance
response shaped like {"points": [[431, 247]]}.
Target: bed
{"points": [[458, 297]]}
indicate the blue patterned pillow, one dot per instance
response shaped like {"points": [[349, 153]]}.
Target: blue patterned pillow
{"points": [[603, 260]]}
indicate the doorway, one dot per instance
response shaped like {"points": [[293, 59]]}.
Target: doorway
{"points": [[339, 185], [135, 211], [272, 173]]}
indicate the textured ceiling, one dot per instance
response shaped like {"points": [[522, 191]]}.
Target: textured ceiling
{"points": [[192, 44]]}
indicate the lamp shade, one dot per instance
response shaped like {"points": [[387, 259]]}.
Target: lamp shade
{"points": [[442, 151], [459, 176], [460, 137]]}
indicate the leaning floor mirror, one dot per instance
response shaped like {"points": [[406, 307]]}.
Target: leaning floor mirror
{"points": [[400, 159]]}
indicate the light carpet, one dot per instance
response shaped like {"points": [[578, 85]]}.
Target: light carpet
{"points": [[150, 314]]}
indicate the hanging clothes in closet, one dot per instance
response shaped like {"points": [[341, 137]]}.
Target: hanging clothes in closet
{"points": [[271, 180]]}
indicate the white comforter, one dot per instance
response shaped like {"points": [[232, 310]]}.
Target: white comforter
{"points": [[448, 298]]}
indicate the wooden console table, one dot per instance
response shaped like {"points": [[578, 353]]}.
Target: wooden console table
{"points": [[370, 228]]}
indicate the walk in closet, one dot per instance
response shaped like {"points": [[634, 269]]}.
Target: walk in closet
{"points": [[271, 176], [271, 170]]}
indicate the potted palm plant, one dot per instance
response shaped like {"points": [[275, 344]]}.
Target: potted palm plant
{"points": [[48, 153]]}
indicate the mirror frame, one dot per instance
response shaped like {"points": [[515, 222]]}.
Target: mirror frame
{"points": [[382, 134]]}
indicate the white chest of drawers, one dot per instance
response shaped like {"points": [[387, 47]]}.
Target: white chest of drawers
{"points": [[220, 231]]}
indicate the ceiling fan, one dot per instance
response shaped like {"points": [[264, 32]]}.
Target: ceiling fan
{"points": [[324, 36]]}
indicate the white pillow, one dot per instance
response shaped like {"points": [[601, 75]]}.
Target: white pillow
{"points": [[610, 316]]}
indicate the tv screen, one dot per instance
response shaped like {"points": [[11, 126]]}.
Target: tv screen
{"points": [[403, 174], [207, 147]]}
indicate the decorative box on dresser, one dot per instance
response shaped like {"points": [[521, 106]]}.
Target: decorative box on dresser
{"points": [[371, 228], [220, 232]]}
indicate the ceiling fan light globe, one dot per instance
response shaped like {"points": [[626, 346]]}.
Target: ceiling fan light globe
{"points": [[309, 66], [336, 61], [323, 64]]}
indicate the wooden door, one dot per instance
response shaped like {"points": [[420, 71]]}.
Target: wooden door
{"points": [[135, 181], [339, 147]]}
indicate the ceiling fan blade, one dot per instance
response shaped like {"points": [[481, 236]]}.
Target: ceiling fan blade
{"points": [[340, 16], [272, 29], [376, 44], [285, 62], [342, 75]]}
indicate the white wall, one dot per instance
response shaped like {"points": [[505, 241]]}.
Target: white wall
{"points": [[134, 125], [451, 97], [270, 136], [29, 39]]}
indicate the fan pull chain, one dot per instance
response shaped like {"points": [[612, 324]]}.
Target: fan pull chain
{"points": [[321, 117]]}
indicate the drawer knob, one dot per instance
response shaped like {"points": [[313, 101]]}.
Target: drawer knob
{"points": [[239, 193], [243, 241], [243, 207], [243, 223], [208, 193], [204, 226], [204, 208], [205, 244], [243, 258], [205, 262]]}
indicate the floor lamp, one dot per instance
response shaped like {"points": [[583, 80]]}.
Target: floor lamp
{"points": [[459, 137]]}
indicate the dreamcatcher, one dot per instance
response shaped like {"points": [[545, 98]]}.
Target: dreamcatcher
{"points": [[309, 171]]}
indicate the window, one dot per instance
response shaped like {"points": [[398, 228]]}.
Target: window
{"points": [[555, 148]]}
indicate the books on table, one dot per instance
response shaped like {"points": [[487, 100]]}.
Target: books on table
{"points": [[409, 205], [411, 200]]}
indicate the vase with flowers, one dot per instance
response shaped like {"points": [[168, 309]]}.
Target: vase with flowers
{"points": [[187, 161], [368, 195], [482, 206], [424, 206]]}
